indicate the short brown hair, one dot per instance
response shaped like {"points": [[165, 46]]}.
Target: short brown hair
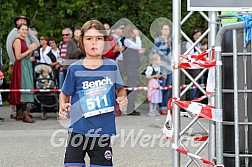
{"points": [[204, 41], [88, 25], [52, 39]]}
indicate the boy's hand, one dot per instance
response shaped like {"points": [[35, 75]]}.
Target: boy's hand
{"points": [[63, 110], [122, 101]]}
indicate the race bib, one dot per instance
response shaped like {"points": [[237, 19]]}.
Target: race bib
{"points": [[97, 100]]}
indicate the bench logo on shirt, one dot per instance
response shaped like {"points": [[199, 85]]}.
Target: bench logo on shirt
{"points": [[97, 83]]}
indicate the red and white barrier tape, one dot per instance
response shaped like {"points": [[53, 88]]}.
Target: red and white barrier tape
{"points": [[210, 87], [198, 61], [30, 90], [201, 138], [168, 131], [162, 87], [133, 88], [183, 151], [168, 126], [202, 110]]}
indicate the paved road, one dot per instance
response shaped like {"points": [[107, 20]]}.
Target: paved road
{"points": [[139, 142]]}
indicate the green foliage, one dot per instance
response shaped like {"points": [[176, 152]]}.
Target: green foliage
{"points": [[49, 17]]}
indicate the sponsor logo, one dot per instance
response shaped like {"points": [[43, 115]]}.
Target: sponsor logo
{"points": [[108, 155], [97, 83]]}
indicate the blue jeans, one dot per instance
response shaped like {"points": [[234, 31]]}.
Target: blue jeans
{"points": [[61, 79], [194, 92], [165, 93], [62, 76]]}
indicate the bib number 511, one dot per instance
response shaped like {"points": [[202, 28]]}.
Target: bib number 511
{"points": [[93, 102]]}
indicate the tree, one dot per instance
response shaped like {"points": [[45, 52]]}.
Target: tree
{"points": [[49, 17]]}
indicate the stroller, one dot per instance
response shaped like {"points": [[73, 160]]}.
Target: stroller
{"points": [[44, 102]]}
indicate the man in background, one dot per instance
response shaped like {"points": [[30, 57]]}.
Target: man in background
{"points": [[30, 38], [67, 34]]}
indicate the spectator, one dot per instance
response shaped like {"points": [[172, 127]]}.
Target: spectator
{"points": [[43, 50], [204, 45], [22, 77], [117, 31], [34, 31], [107, 27], [67, 34], [196, 33], [92, 100], [73, 52], [153, 72], [131, 63], [29, 39], [112, 50], [54, 55], [163, 46], [44, 79]]}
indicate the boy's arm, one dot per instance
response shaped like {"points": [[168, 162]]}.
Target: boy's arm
{"points": [[64, 105]]}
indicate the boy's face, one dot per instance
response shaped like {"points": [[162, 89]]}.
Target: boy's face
{"points": [[93, 42]]}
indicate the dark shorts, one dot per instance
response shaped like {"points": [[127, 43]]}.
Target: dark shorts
{"points": [[98, 149]]}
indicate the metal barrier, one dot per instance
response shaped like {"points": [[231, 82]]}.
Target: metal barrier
{"points": [[179, 131], [234, 96]]}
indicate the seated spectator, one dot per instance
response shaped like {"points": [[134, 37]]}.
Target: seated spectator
{"points": [[54, 55], [45, 80], [43, 50]]}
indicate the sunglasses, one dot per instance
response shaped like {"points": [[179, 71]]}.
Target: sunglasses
{"points": [[65, 34]]}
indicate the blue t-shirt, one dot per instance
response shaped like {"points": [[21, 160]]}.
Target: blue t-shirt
{"points": [[93, 97]]}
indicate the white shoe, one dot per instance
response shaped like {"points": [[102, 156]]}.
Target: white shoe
{"points": [[152, 113], [157, 113]]}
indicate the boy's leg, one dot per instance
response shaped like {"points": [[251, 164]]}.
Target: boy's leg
{"points": [[75, 151], [100, 152]]}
